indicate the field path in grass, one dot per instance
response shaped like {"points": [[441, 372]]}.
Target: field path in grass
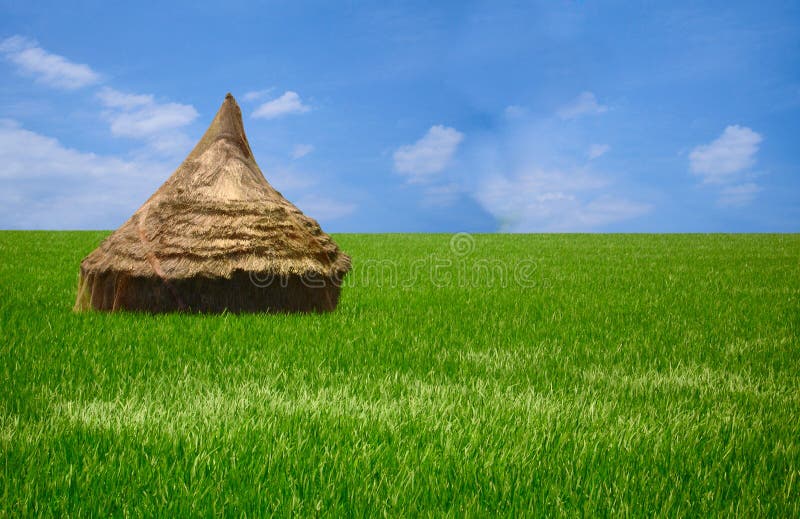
{"points": [[509, 374]]}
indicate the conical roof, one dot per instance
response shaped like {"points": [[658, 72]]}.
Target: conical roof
{"points": [[217, 215]]}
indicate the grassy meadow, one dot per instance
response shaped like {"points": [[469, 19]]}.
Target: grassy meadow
{"points": [[461, 375]]}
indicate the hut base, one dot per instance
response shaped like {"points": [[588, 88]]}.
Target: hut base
{"points": [[243, 292]]}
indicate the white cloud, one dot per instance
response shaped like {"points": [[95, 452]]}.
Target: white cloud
{"points": [[585, 104], [26, 154], [129, 115], [429, 155], [731, 153], [598, 150], [537, 175], [139, 116], [47, 185], [115, 99], [322, 208], [301, 150], [151, 120], [738, 195], [51, 186], [288, 103], [725, 163], [553, 201], [49, 69], [255, 95], [530, 174]]}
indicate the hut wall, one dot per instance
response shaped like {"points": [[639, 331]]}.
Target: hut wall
{"points": [[112, 291]]}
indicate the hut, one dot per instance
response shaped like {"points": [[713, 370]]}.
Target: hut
{"points": [[215, 236]]}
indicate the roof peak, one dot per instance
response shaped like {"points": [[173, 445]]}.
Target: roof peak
{"points": [[228, 125]]}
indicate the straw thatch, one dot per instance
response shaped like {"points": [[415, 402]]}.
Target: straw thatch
{"points": [[215, 236]]}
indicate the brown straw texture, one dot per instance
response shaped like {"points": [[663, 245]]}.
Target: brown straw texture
{"points": [[214, 225]]}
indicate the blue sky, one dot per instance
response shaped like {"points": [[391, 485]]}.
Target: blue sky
{"points": [[414, 117]]}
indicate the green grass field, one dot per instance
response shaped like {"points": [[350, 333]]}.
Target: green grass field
{"points": [[612, 374]]}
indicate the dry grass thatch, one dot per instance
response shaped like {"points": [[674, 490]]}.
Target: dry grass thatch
{"points": [[214, 224]]}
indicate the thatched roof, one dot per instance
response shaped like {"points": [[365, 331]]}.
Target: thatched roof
{"points": [[217, 215]]}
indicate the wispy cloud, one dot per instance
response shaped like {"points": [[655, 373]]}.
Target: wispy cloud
{"points": [[255, 95], [152, 119], [598, 150], [139, 116], [301, 150], [738, 195], [537, 174], [288, 103], [553, 201], [46, 68], [129, 115], [27, 154], [585, 104], [530, 173], [725, 162], [115, 99], [429, 155], [47, 185], [72, 188], [729, 154]]}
